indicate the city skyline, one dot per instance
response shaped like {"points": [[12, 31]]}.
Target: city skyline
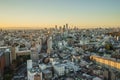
{"points": [[47, 13]]}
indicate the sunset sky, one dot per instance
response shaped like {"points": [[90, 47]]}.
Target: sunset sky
{"points": [[47, 13]]}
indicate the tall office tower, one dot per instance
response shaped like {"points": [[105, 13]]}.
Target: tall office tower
{"points": [[44, 38], [60, 29], [34, 54], [49, 45], [64, 28], [38, 46], [2, 64], [67, 26], [8, 58], [13, 53], [55, 27], [40, 42], [44, 43]]}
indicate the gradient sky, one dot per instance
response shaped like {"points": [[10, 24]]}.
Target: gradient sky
{"points": [[44, 13]]}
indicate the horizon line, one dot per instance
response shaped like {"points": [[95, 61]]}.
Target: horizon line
{"points": [[71, 27]]}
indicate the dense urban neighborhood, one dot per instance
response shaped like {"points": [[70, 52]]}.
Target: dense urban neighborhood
{"points": [[60, 53]]}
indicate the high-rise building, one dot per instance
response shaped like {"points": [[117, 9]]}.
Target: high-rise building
{"points": [[64, 28], [13, 53], [55, 27], [34, 54], [8, 59], [44, 43], [67, 26], [2, 64], [38, 47], [29, 64], [49, 45], [7, 54]]}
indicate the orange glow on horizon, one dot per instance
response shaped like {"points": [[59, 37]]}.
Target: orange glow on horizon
{"points": [[38, 26]]}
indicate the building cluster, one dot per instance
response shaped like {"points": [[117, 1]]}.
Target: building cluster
{"points": [[62, 53]]}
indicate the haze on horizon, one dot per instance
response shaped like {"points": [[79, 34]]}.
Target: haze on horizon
{"points": [[47, 13]]}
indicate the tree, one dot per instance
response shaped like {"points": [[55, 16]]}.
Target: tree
{"points": [[109, 46], [8, 77]]}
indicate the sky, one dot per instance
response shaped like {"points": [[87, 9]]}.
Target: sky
{"points": [[47, 13]]}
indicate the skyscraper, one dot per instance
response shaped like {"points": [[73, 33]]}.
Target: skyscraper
{"points": [[49, 45], [67, 26]]}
